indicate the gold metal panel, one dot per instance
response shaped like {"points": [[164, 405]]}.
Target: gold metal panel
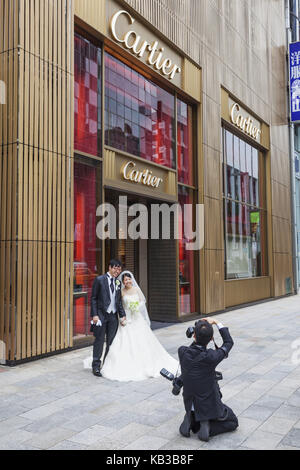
{"points": [[283, 271], [246, 290], [227, 101], [191, 80], [214, 280], [92, 12], [171, 187], [109, 164], [115, 165], [213, 224]]}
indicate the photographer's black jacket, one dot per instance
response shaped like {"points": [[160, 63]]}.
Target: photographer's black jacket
{"points": [[200, 388]]}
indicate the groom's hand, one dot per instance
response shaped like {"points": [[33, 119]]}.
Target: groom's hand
{"points": [[123, 321], [96, 319]]}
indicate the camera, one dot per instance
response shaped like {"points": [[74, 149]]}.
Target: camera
{"points": [[176, 381], [191, 329]]}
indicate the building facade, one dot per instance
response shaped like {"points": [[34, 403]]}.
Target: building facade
{"points": [[157, 102], [293, 35]]}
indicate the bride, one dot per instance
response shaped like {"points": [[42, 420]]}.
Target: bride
{"points": [[135, 353]]}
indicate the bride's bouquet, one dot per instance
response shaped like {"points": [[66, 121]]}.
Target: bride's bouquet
{"points": [[134, 306]]}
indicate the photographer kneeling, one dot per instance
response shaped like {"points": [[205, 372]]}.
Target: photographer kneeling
{"points": [[205, 412]]}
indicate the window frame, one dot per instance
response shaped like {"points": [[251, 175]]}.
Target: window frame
{"points": [[262, 207]]}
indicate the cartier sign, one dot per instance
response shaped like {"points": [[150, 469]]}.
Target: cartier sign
{"points": [[130, 172], [137, 39], [244, 122]]}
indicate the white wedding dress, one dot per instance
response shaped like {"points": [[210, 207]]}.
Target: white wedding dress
{"points": [[136, 354]]}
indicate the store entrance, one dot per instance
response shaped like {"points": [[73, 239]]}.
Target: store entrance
{"points": [[132, 253], [153, 262]]}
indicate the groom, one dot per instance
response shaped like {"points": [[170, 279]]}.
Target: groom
{"points": [[106, 305]]}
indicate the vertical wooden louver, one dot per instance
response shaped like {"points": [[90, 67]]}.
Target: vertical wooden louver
{"points": [[36, 177]]}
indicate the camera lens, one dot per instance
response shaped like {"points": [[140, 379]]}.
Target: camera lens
{"points": [[190, 331]]}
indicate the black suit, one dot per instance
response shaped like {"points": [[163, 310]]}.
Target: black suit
{"points": [[100, 303], [201, 393]]}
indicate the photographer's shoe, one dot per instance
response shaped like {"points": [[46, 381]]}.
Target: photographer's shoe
{"points": [[203, 434], [97, 372], [185, 427]]}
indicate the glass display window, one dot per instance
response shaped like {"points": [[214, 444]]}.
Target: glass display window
{"points": [[139, 115], [244, 208], [87, 99]]}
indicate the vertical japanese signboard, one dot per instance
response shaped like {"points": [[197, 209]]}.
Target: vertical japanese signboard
{"points": [[294, 68]]}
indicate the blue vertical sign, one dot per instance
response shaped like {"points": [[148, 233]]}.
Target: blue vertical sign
{"points": [[294, 66]]}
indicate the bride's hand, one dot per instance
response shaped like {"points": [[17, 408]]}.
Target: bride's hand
{"points": [[123, 321]]}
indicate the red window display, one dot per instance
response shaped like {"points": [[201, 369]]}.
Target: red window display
{"points": [[87, 103], [139, 115], [86, 251], [185, 149], [186, 260]]}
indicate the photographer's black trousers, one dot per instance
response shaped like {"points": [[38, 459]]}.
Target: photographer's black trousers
{"points": [[228, 423]]}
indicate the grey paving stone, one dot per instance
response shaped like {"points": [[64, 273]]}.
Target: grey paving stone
{"points": [[281, 392], [292, 438], [147, 443], [14, 439], [261, 440], [155, 419], [270, 401], [246, 426], [294, 399], [9, 425], [91, 435], [122, 419], [277, 425], [83, 422], [224, 441], [48, 439], [258, 413], [68, 445], [12, 410], [121, 438], [183, 443], [39, 412], [288, 412]]}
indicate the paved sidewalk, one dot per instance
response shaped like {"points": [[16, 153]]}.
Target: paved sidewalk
{"points": [[55, 404]]}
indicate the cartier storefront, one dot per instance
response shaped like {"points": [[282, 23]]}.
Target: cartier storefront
{"points": [[115, 108], [135, 138]]}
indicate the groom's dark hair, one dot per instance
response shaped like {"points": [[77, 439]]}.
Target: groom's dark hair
{"points": [[115, 262]]}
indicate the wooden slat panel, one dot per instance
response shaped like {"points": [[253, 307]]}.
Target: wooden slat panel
{"points": [[7, 294], [1, 25], [13, 301], [36, 205]]}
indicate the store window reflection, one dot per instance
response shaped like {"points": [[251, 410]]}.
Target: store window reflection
{"points": [[87, 102], [139, 115], [185, 148], [186, 259], [87, 249], [245, 212]]}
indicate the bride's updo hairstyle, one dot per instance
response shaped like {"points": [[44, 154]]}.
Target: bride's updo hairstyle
{"points": [[126, 275]]}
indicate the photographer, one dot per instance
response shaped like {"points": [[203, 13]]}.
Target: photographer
{"points": [[205, 412]]}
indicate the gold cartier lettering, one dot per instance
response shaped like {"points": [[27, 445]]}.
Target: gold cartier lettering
{"points": [[246, 124], [131, 173], [133, 41]]}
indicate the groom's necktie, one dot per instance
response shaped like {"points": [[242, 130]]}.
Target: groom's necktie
{"points": [[112, 285]]}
